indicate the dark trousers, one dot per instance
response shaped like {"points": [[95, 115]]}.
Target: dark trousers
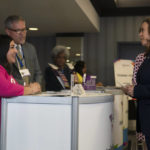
{"points": [[148, 142], [144, 118]]}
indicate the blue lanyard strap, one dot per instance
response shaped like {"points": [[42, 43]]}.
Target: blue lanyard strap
{"points": [[20, 61]]}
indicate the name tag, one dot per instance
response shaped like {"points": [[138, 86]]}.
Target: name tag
{"points": [[24, 72]]}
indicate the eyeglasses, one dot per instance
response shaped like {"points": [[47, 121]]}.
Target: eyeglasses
{"points": [[18, 30]]}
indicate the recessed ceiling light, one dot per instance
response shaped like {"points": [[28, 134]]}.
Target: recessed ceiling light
{"points": [[33, 29], [68, 47], [77, 54]]}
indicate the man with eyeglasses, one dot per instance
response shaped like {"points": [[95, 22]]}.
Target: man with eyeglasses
{"points": [[26, 70]]}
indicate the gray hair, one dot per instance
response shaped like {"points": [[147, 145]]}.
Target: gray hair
{"points": [[11, 19], [60, 49]]}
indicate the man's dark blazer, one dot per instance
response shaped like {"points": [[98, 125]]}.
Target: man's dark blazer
{"points": [[32, 64]]}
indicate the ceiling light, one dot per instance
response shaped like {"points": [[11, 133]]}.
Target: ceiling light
{"points": [[77, 54], [33, 29], [68, 47]]}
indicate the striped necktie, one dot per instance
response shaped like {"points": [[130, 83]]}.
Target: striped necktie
{"points": [[21, 63]]}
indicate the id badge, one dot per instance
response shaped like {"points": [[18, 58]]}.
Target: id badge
{"points": [[24, 72]]}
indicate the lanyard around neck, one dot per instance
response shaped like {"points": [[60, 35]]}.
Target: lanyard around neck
{"points": [[20, 61]]}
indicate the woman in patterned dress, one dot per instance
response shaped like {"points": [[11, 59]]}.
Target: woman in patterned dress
{"points": [[141, 82], [138, 61]]}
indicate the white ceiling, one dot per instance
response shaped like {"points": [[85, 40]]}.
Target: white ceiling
{"points": [[132, 3], [51, 16]]}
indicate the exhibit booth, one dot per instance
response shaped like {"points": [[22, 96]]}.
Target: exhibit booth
{"points": [[57, 122]]}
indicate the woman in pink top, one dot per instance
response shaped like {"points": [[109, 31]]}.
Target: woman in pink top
{"points": [[8, 86]]}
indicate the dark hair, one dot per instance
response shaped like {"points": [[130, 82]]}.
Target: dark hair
{"points": [[4, 47], [79, 66], [10, 19], [147, 20]]}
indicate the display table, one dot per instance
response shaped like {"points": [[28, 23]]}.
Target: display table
{"points": [[57, 122]]}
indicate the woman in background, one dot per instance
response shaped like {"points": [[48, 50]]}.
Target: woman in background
{"points": [[8, 86], [57, 74], [80, 69], [141, 87]]}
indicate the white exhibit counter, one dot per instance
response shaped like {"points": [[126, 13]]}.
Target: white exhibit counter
{"points": [[118, 118], [120, 125], [57, 122]]}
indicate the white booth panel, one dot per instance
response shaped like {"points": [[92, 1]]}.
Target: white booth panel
{"points": [[118, 121], [38, 127], [125, 111], [57, 122], [95, 126]]}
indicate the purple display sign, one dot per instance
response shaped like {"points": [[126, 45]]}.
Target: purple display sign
{"points": [[90, 83]]}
